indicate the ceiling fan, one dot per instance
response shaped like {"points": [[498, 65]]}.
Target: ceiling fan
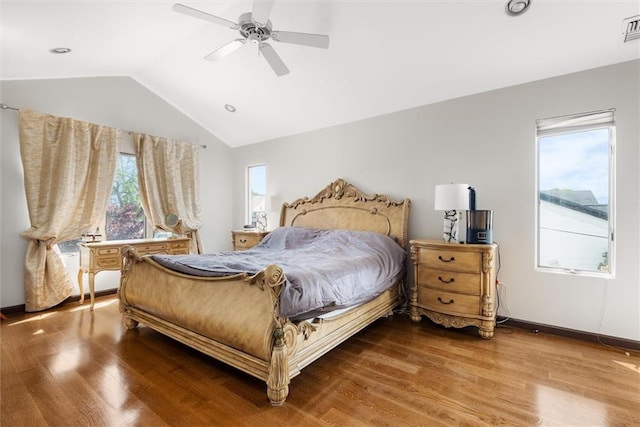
{"points": [[255, 27]]}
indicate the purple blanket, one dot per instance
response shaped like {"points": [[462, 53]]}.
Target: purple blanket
{"points": [[325, 269]]}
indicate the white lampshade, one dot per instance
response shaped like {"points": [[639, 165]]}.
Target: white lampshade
{"points": [[452, 197]]}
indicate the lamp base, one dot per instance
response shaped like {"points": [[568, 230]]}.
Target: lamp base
{"points": [[450, 231], [261, 221]]}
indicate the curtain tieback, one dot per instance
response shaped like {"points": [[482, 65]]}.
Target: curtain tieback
{"points": [[49, 243]]}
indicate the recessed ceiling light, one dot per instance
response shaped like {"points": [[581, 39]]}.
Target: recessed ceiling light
{"points": [[230, 108], [517, 7], [60, 50]]}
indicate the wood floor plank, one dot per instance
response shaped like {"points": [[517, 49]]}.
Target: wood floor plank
{"points": [[15, 395], [421, 391], [70, 366]]}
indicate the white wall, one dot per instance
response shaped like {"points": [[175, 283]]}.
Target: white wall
{"points": [[119, 102], [488, 141]]}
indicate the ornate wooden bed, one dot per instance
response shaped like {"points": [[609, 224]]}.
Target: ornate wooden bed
{"points": [[235, 319]]}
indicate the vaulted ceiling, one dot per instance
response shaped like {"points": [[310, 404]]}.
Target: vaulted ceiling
{"points": [[384, 56]]}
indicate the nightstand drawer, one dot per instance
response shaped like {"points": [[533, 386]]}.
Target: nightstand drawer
{"points": [[109, 262], [447, 302], [108, 251], [243, 240], [178, 248], [154, 248], [450, 281], [247, 241], [451, 260]]}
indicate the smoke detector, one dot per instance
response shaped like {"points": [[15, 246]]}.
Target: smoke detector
{"points": [[631, 28]]}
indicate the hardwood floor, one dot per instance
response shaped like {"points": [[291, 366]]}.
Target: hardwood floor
{"points": [[73, 367]]}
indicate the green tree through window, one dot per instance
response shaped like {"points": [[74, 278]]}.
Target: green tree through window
{"points": [[125, 217]]}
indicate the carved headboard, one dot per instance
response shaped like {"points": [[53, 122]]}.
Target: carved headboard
{"points": [[340, 205]]}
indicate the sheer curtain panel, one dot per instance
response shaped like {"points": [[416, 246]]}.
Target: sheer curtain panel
{"points": [[168, 178], [69, 166]]}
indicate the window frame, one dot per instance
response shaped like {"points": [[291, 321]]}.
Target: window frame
{"points": [[584, 122]]}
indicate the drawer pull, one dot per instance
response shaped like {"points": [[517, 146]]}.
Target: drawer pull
{"points": [[444, 302], [451, 259], [243, 240], [446, 281]]}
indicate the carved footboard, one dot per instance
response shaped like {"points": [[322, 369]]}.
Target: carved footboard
{"points": [[258, 341]]}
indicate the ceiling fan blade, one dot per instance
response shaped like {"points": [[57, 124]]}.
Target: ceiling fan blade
{"points": [[306, 39], [204, 15], [261, 11], [273, 59], [225, 50]]}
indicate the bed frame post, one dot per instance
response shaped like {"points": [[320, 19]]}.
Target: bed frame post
{"points": [[272, 278], [278, 380]]}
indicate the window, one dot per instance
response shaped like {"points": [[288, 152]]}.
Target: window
{"points": [[124, 218], [256, 193], [575, 193]]}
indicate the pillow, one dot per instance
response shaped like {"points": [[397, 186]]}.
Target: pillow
{"points": [[289, 238]]}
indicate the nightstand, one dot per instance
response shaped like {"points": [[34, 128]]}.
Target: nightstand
{"points": [[246, 239], [454, 285]]}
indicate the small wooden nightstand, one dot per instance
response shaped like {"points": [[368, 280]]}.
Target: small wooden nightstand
{"points": [[454, 284], [246, 239]]}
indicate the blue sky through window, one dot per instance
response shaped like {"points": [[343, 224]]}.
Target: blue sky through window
{"points": [[576, 161], [258, 179]]}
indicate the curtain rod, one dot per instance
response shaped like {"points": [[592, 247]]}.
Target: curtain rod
{"points": [[130, 132], [6, 107]]}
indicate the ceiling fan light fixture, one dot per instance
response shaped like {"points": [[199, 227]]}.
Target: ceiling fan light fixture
{"points": [[230, 108], [517, 7], [253, 38], [60, 50]]}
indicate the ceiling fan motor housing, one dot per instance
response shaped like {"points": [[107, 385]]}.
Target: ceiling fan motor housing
{"points": [[251, 30]]}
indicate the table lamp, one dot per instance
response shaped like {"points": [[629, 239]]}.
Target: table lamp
{"points": [[452, 199]]}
